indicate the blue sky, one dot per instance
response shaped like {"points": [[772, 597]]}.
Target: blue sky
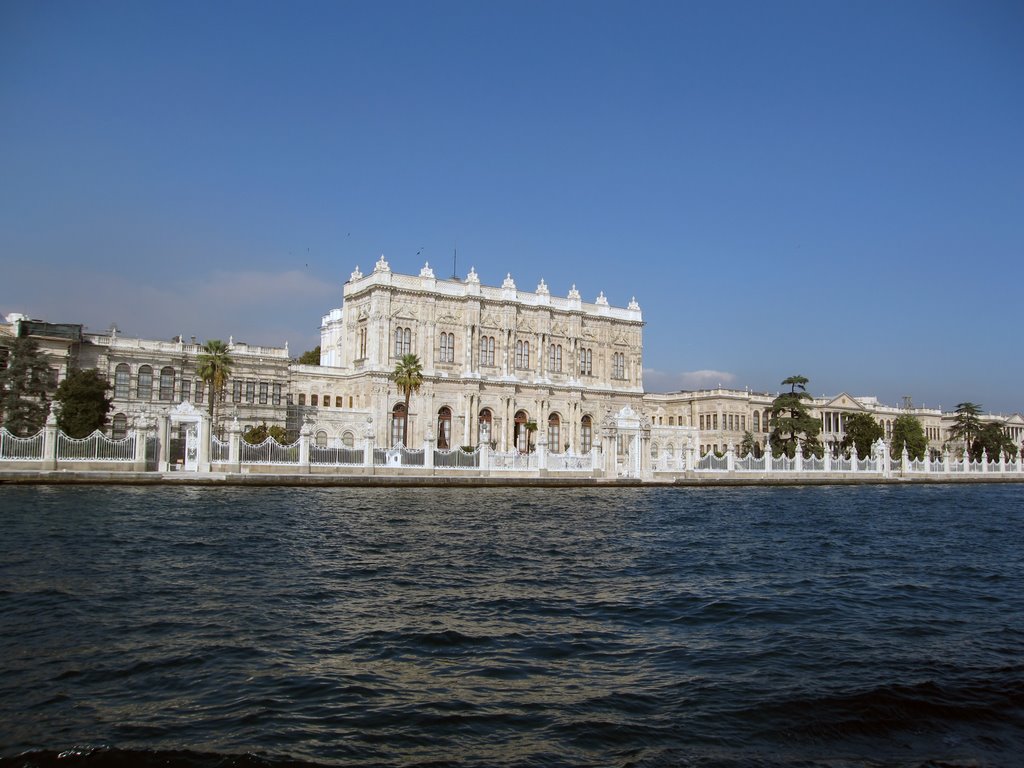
{"points": [[830, 189]]}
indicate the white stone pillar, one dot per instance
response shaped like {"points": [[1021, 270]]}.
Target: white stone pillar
{"points": [[50, 440], [164, 444], [234, 446], [485, 457], [140, 433], [984, 460], [428, 450], [905, 459], [542, 449], [882, 453], [368, 443], [304, 440], [827, 455], [945, 461], [730, 458], [799, 457]]}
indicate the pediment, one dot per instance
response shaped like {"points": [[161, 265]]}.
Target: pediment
{"points": [[448, 320], [404, 313], [490, 321], [845, 400]]}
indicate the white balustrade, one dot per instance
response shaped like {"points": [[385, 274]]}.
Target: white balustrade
{"points": [[269, 452], [95, 447], [14, 448]]}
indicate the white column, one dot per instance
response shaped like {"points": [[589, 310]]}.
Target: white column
{"points": [[304, 435], [428, 450]]}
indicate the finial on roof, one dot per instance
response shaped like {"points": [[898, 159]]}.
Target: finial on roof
{"points": [[542, 288], [426, 271], [509, 282], [633, 304], [472, 277], [573, 293], [356, 274], [601, 299], [381, 265]]}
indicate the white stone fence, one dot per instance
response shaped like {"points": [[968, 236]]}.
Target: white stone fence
{"points": [[880, 464], [51, 448]]}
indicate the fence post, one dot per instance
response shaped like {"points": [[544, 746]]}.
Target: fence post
{"points": [[542, 450], [368, 448], [304, 435], [140, 432], [826, 456], [905, 459], [730, 458], [234, 446], [882, 455], [945, 461], [853, 457], [984, 460], [768, 457], [485, 457], [428, 450], [799, 458], [1002, 461], [50, 441]]}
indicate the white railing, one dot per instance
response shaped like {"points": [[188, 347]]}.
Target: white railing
{"points": [[749, 463], [456, 458], [569, 462], [814, 464], [14, 448], [95, 447], [219, 452], [513, 460], [783, 464], [336, 457], [842, 464], [269, 452], [712, 462]]}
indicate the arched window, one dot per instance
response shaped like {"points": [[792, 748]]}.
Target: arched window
{"points": [[485, 425], [302, 399], [321, 439], [444, 428], [348, 440], [122, 381], [555, 358], [486, 350], [757, 421], [313, 399], [670, 450], [403, 341], [167, 383], [144, 388], [520, 436], [119, 426], [586, 362], [522, 354], [618, 365], [586, 434], [554, 433], [654, 450], [327, 401], [398, 417], [766, 418], [447, 347]]}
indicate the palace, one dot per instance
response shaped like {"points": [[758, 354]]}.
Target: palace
{"points": [[503, 367]]}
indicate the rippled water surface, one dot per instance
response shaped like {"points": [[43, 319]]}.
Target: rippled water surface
{"points": [[512, 627]]}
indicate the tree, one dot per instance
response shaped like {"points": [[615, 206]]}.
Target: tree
{"points": [[214, 367], [791, 421], [861, 432], [749, 445], [25, 381], [84, 403], [907, 431], [531, 427], [993, 441], [408, 376], [259, 433], [312, 357], [966, 424]]}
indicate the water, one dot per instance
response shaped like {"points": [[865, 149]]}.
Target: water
{"points": [[879, 626]]}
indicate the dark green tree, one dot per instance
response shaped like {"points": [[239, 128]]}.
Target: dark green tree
{"points": [[966, 424], [261, 432], [993, 440], [792, 424], [861, 431], [907, 430], [84, 403], [312, 357], [408, 376], [748, 445], [214, 367], [25, 383]]}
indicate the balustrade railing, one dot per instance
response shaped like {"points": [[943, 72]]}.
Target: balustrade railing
{"points": [[219, 452], [456, 458], [14, 448], [95, 447], [336, 457], [269, 452], [568, 462], [513, 460]]}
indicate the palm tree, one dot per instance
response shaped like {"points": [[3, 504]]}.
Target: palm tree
{"points": [[408, 378], [214, 367]]}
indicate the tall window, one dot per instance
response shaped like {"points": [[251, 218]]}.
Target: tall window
{"points": [[264, 392], [618, 366], [447, 347], [122, 381], [302, 399], [362, 342], [555, 358], [144, 388], [586, 434], [321, 439], [186, 389], [119, 426], [277, 394], [398, 417], [522, 354], [236, 391], [444, 428], [348, 439], [521, 436], [403, 341], [314, 400], [757, 422], [167, 383], [327, 401], [250, 391], [702, 422], [484, 429], [486, 350], [200, 390], [586, 362], [554, 433]]}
